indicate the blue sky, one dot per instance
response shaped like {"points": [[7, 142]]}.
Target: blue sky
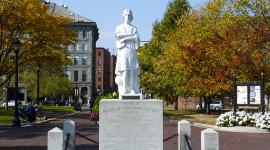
{"points": [[107, 15]]}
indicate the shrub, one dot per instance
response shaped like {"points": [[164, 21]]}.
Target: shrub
{"points": [[106, 96], [243, 118], [262, 121]]}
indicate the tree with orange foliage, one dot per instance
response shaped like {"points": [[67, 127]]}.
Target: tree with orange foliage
{"points": [[212, 44], [43, 36], [223, 39]]}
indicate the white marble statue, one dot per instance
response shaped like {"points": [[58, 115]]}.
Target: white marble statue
{"points": [[127, 66]]}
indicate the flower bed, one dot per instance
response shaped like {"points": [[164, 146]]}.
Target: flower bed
{"points": [[243, 118]]}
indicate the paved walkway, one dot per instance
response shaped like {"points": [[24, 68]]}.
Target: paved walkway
{"points": [[35, 137]]}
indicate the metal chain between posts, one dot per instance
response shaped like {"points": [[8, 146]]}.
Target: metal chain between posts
{"points": [[66, 145], [88, 139], [187, 138]]}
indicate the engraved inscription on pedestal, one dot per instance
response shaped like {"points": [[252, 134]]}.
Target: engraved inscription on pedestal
{"points": [[131, 125]]}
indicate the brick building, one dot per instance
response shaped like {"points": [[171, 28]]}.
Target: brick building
{"points": [[105, 66], [113, 85]]}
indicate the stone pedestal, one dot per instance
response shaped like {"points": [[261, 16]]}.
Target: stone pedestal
{"points": [[183, 130], [131, 125], [209, 140], [55, 139]]}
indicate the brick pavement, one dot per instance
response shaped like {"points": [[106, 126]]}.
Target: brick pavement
{"points": [[35, 137]]}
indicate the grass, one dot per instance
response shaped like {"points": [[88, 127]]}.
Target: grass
{"points": [[192, 116], [6, 116], [178, 113], [64, 109]]}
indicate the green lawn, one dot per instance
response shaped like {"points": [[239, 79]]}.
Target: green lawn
{"points": [[65, 109], [6, 116]]}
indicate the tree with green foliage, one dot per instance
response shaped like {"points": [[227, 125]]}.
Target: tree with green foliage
{"points": [[53, 85], [156, 77]]}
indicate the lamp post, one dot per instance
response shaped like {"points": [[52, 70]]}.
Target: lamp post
{"points": [[262, 94], [234, 99], [38, 70], [17, 45]]}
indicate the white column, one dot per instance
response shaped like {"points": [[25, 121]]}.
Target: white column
{"points": [[183, 129], [209, 140], [69, 128], [55, 139]]}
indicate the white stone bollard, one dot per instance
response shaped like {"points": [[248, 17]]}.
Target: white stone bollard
{"points": [[183, 129], [209, 140], [69, 128], [55, 139]]}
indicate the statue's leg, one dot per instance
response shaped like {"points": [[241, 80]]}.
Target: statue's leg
{"points": [[137, 82], [125, 81], [134, 82]]}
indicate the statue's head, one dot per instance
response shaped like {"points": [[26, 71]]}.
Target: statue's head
{"points": [[127, 13]]}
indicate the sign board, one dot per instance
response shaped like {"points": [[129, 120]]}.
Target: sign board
{"points": [[248, 94], [255, 95], [242, 95]]}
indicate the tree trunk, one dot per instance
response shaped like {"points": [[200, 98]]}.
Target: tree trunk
{"points": [[200, 104], [176, 103], [207, 105]]}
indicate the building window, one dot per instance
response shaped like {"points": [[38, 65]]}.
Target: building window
{"points": [[80, 34], [84, 60], [99, 53], [70, 48], [83, 47], [84, 34], [68, 74], [84, 75], [99, 78], [99, 72], [77, 47], [76, 60], [99, 87], [84, 90], [99, 63], [76, 73]]}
